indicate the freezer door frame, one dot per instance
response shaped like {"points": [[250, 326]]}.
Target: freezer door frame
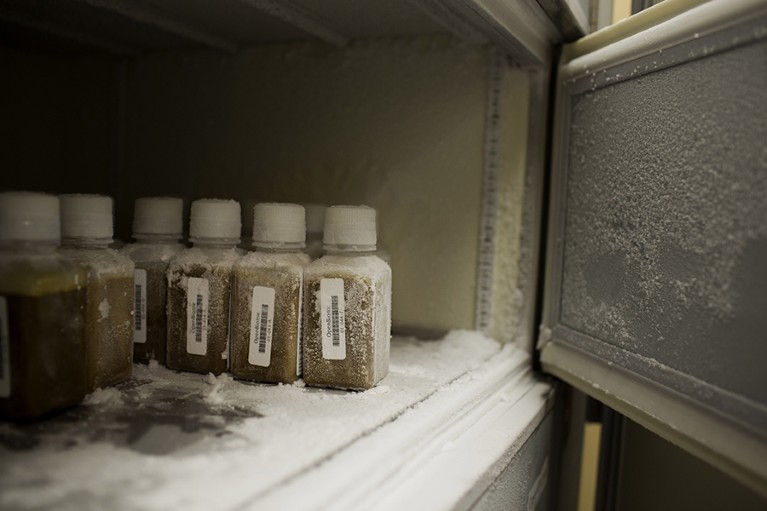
{"points": [[729, 431]]}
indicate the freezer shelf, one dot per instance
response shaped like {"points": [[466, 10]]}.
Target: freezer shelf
{"points": [[178, 440]]}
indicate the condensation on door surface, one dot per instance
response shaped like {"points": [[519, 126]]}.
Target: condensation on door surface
{"points": [[665, 226]]}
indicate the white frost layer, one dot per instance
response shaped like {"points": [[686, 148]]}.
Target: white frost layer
{"points": [[99, 261], [104, 309], [260, 259], [368, 265], [151, 252], [177, 440]]}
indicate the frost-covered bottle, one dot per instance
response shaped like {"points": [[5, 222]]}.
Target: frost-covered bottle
{"points": [[42, 311], [199, 284], [86, 233], [267, 297], [347, 305], [157, 229], [315, 221]]}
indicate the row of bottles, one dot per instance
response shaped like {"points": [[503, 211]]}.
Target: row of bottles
{"points": [[264, 308], [270, 315]]}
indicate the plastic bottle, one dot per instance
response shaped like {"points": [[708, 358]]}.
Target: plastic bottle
{"points": [[86, 233], [157, 229], [347, 305], [267, 297], [42, 311], [315, 222], [199, 284]]}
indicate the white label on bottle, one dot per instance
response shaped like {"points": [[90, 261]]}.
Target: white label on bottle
{"points": [[139, 306], [299, 339], [261, 324], [5, 355], [332, 312], [197, 293]]}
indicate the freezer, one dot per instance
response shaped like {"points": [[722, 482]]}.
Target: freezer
{"points": [[572, 220]]}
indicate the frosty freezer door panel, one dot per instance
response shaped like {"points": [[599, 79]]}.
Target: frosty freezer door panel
{"points": [[656, 287]]}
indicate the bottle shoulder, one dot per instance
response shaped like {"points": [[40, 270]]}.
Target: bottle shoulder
{"points": [[41, 275], [273, 260], [101, 261], [206, 257], [150, 253], [368, 265]]}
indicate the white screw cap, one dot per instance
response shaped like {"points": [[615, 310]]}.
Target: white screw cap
{"points": [[29, 216], [315, 217], [86, 216], [351, 226], [215, 218], [278, 223], [158, 215]]}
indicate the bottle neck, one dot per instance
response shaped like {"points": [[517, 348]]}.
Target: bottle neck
{"points": [[215, 242], [278, 248], [157, 239], [86, 242], [349, 250]]}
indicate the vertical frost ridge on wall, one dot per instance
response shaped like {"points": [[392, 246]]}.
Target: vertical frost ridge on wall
{"points": [[485, 273], [508, 318], [500, 301]]}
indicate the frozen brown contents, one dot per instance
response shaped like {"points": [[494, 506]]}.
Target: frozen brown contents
{"points": [[155, 346], [154, 259], [108, 314], [367, 288], [285, 278], [46, 339], [217, 270]]}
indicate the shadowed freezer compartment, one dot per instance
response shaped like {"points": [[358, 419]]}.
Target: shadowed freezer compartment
{"points": [[417, 111], [396, 124]]}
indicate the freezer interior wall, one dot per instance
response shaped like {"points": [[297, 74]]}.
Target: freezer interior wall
{"points": [[399, 124], [56, 123]]}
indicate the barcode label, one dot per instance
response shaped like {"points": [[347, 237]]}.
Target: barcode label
{"points": [[336, 331], [139, 306], [261, 325], [332, 311], [197, 294], [5, 355]]}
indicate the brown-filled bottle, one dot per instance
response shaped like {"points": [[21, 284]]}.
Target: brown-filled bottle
{"points": [[199, 285], [267, 296], [42, 311], [157, 229], [347, 305], [86, 233]]}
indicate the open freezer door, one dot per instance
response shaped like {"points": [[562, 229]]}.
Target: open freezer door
{"points": [[656, 283]]}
